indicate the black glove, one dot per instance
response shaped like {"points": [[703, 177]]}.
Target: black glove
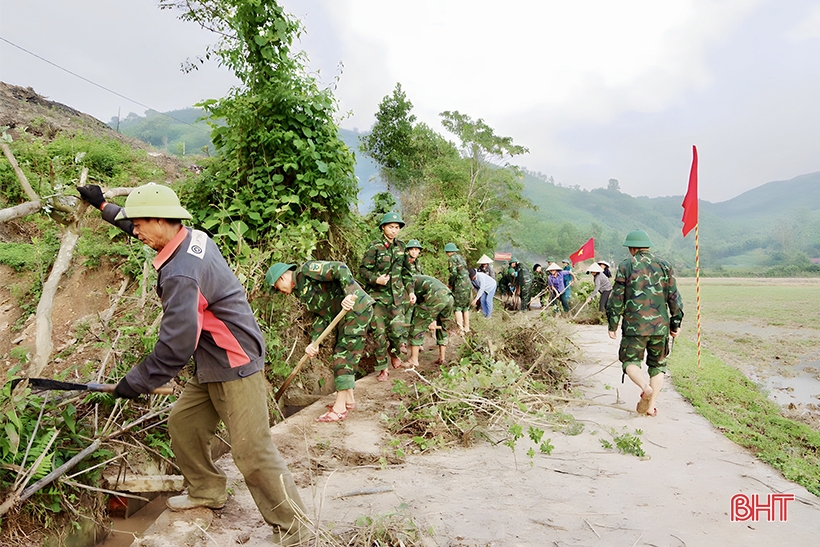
{"points": [[92, 194], [124, 389]]}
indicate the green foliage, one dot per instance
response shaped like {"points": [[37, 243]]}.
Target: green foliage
{"points": [[282, 174], [54, 167], [393, 528], [449, 193], [625, 443]]}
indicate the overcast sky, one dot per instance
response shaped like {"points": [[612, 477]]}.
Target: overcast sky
{"points": [[595, 89]]}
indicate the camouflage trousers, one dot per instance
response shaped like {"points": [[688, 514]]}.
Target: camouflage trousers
{"points": [[424, 314], [388, 332], [525, 297], [462, 294], [632, 351], [351, 334]]}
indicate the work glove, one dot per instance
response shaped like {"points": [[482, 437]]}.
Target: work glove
{"points": [[124, 389], [92, 194]]}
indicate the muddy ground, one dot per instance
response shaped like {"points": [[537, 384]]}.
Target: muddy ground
{"points": [[580, 495]]}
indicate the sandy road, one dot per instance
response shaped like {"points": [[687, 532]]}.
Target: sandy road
{"points": [[580, 495]]}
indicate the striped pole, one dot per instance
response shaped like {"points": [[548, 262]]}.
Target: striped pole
{"points": [[697, 284]]}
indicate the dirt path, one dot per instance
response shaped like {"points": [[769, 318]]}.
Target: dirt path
{"points": [[580, 495]]}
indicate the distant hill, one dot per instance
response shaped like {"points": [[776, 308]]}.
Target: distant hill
{"points": [[775, 224]]}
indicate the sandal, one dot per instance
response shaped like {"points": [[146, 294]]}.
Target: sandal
{"points": [[396, 362], [348, 406], [382, 377], [332, 416]]}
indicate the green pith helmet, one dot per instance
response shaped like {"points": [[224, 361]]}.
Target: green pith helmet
{"points": [[450, 248], [513, 260], [637, 239], [414, 244], [392, 216], [153, 201], [276, 271]]}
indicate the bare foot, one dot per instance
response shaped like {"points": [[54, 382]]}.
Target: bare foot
{"points": [[411, 364], [382, 377], [653, 412], [646, 398], [395, 361]]}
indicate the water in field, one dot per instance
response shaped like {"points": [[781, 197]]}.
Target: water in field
{"points": [[802, 387]]}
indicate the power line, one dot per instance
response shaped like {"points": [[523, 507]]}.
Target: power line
{"points": [[91, 82]]}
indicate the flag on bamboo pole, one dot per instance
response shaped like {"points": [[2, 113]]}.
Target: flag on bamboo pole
{"points": [[690, 220], [690, 202], [586, 252]]}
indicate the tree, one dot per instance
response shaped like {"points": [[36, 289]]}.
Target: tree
{"points": [[614, 185], [283, 179]]}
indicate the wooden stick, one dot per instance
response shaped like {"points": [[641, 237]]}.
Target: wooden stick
{"points": [[304, 358]]}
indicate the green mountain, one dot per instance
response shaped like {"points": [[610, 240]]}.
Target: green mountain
{"points": [[776, 224], [178, 132]]}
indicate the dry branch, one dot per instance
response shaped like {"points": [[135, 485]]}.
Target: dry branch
{"points": [[20, 211], [32, 195]]}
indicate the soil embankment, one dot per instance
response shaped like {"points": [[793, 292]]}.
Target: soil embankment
{"points": [[581, 494]]}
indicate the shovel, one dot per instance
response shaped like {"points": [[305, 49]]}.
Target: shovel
{"points": [[54, 385], [304, 358]]}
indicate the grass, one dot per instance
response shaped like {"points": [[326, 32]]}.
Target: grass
{"points": [[736, 406], [766, 302]]}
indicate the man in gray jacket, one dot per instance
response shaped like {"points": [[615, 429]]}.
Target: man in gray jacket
{"points": [[206, 316]]}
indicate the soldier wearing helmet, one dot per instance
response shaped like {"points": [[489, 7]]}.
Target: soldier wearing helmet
{"points": [[459, 283], [206, 315], [645, 294], [388, 278]]}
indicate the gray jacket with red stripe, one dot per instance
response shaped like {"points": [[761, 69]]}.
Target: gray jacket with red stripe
{"points": [[205, 314]]}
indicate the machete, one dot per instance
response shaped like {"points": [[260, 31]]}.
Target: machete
{"points": [[55, 385]]}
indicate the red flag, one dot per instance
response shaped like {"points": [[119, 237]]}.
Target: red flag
{"points": [[690, 202], [586, 252]]}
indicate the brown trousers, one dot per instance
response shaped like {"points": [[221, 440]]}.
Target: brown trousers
{"points": [[242, 406]]}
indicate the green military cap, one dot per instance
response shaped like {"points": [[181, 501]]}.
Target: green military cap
{"points": [[276, 271], [637, 239], [565, 261], [513, 259], [153, 201], [450, 248], [414, 244], [392, 216]]}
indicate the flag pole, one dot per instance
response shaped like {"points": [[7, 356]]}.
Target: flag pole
{"points": [[697, 284], [691, 219]]}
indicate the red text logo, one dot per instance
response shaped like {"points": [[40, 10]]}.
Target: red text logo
{"points": [[775, 507]]}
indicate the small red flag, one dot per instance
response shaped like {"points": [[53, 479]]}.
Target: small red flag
{"points": [[690, 202], [586, 252]]}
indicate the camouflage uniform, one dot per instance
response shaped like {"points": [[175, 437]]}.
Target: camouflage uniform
{"points": [[388, 318], [459, 282], [321, 287], [645, 293], [523, 280], [434, 302], [407, 308], [505, 280]]}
